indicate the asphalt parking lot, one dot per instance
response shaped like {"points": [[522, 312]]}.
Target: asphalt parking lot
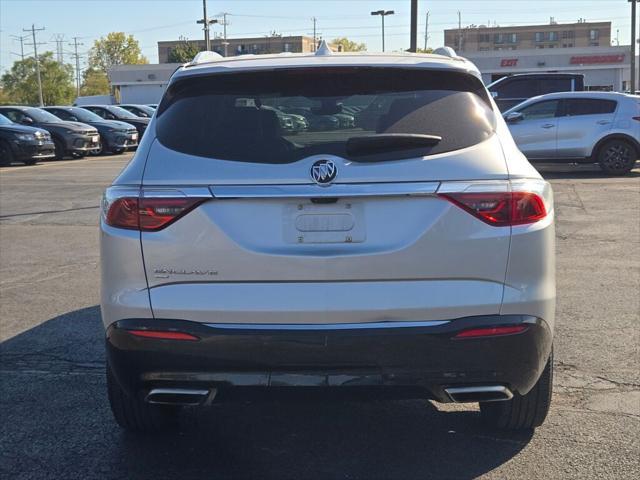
{"points": [[55, 420]]}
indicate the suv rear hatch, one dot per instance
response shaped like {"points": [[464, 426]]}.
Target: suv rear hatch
{"points": [[336, 222]]}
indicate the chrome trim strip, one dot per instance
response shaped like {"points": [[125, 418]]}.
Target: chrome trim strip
{"points": [[333, 190], [474, 186], [451, 391], [327, 326], [199, 394]]}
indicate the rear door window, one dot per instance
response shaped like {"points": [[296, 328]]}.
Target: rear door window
{"points": [[551, 85], [588, 106], [518, 88], [285, 115]]}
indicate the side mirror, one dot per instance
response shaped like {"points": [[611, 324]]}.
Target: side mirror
{"points": [[514, 117], [27, 121], [73, 119]]}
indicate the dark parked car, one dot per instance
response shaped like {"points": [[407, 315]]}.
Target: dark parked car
{"points": [[114, 112], [144, 111], [512, 90], [23, 144], [70, 138], [115, 136]]}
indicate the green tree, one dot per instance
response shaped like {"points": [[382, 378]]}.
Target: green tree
{"points": [[422, 50], [20, 84], [116, 48], [347, 45], [94, 82], [183, 52]]}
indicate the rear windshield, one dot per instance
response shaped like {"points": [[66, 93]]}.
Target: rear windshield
{"points": [[281, 116]]}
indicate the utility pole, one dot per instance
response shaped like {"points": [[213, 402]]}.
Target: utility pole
{"points": [[414, 27], [77, 57], [315, 40], [459, 31], [59, 38], [224, 33], [33, 31], [426, 31], [205, 25], [633, 47], [383, 13], [21, 38]]}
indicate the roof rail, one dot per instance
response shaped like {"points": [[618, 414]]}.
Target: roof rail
{"points": [[205, 56], [446, 52], [323, 49]]}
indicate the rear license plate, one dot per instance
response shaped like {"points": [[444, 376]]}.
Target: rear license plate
{"points": [[307, 222]]}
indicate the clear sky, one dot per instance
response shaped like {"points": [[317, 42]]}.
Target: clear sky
{"points": [[153, 20]]}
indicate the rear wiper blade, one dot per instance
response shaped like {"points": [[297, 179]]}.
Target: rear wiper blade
{"points": [[385, 142]]}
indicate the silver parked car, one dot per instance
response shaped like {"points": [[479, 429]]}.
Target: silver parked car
{"points": [[413, 257], [581, 127]]}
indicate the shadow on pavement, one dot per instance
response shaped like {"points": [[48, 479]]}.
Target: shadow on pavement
{"points": [[55, 423], [554, 171]]}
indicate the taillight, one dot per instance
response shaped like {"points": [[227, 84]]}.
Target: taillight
{"points": [[500, 209], [145, 213], [164, 335], [492, 331]]}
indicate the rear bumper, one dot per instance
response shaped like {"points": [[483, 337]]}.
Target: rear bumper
{"points": [[423, 358]]}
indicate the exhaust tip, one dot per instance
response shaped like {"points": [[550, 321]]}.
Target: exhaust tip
{"points": [[489, 393], [177, 396]]}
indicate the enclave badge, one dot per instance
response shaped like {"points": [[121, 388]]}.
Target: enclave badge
{"points": [[323, 172]]}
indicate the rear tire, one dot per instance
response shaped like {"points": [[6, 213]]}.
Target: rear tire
{"points": [[117, 151], [31, 161], [135, 415], [617, 157], [522, 412]]}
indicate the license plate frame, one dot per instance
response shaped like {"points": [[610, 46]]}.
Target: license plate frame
{"points": [[307, 223]]}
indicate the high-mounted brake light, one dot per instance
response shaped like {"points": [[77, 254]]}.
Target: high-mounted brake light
{"points": [[491, 331], [500, 209], [148, 214], [164, 335]]}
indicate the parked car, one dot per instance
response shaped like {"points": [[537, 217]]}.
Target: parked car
{"points": [[579, 127], [233, 258], [315, 121], [115, 136], [152, 105], [514, 89], [19, 143], [73, 139], [144, 111], [113, 112]]}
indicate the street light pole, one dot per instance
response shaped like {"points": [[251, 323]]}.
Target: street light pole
{"points": [[632, 88], [383, 13], [205, 25]]}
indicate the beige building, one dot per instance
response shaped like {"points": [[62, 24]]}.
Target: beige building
{"points": [[242, 46], [553, 35]]}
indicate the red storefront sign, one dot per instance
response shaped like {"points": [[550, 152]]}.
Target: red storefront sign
{"points": [[596, 59], [508, 62]]}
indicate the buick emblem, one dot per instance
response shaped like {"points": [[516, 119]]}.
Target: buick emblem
{"points": [[323, 172]]}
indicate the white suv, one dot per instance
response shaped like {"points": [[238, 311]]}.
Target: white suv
{"points": [[410, 250]]}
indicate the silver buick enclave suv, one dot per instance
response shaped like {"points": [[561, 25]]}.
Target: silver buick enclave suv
{"points": [[410, 251]]}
